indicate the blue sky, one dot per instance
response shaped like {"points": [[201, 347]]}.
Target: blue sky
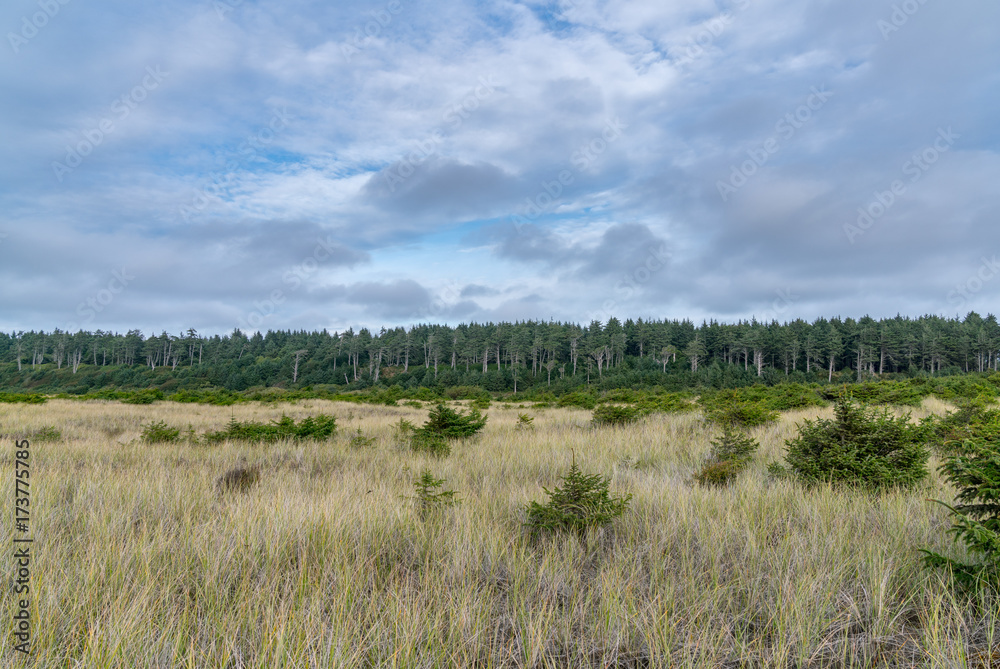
{"points": [[314, 165]]}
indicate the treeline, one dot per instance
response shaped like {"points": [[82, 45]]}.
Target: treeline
{"points": [[507, 357]]}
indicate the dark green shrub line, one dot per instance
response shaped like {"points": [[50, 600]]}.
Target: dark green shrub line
{"points": [[319, 427], [22, 398]]}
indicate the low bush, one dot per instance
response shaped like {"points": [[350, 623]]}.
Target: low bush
{"points": [[730, 455], [359, 440], [863, 446], [451, 424], [22, 398], [578, 399], [614, 414], [730, 407], [581, 503], [978, 417], [46, 433], [142, 396], [159, 432], [312, 427], [238, 479]]}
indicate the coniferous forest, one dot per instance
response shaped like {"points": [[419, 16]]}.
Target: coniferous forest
{"points": [[522, 357]]}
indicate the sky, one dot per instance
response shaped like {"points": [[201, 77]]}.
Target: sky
{"points": [[216, 164]]}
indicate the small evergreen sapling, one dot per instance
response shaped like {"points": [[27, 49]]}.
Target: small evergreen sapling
{"points": [[975, 472], [582, 502], [730, 455], [444, 425], [429, 495]]}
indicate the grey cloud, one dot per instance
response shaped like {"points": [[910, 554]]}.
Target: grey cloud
{"points": [[444, 186], [402, 298], [478, 290]]}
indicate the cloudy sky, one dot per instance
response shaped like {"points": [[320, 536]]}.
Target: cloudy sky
{"points": [[305, 164]]}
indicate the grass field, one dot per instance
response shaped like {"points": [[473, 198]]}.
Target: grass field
{"points": [[139, 561]]}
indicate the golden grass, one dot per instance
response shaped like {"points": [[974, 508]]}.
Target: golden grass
{"points": [[141, 561]]}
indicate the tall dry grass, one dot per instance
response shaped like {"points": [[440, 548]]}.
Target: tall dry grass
{"points": [[141, 561]]}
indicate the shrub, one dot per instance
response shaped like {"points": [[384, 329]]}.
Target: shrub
{"points": [[741, 414], [47, 433], [159, 432], [481, 403], [429, 496], [358, 440], [142, 396], [864, 446], [973, 418], [578, 399], [525, 422], [614, 414], [730, 455], [451, 424], [429, 442], [238, 479], [25, 398], [975, 472], [738, 409], [312, 427], [581, 503]]}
